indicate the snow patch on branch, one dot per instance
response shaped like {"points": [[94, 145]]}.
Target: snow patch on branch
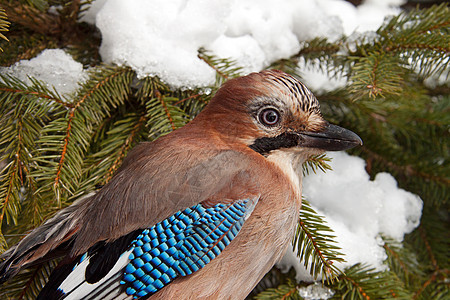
{"points": [[359, 210]]}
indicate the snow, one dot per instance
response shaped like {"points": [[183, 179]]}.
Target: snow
{"points": [[54, 67], [158, 37], [315, 291], [162, 38], [359, 210], [366, 17], [162, 41]]}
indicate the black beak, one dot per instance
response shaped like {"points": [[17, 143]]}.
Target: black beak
{"points": [[332, 138]]}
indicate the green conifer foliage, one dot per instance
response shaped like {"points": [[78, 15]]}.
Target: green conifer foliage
{"points": [[55, 149]]}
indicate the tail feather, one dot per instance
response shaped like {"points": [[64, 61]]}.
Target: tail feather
{"points": [[44, 243]]}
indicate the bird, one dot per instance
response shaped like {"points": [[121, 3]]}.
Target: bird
{"points": [[201, 213]]}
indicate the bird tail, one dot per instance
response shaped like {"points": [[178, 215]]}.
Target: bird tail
{"points": [[44, 243]]}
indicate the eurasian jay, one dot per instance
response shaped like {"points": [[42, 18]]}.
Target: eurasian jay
{"points": [[203, 212]]}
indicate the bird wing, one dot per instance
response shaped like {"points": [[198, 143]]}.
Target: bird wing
{"points": [[175, 247]]}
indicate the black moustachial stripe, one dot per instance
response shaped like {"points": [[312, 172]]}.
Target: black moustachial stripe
{"points": [[266, 144]]}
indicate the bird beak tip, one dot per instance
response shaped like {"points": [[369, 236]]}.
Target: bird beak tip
{"points": [[331, 138]]}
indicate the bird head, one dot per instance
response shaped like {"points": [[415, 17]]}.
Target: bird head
{"points": [[271, 110]]}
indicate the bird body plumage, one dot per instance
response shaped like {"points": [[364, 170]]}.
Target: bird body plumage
{"points": [[203, 212]]}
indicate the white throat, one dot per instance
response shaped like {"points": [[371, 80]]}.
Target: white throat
{"points": [[289, 161]]}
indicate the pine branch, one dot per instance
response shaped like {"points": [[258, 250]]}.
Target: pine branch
{"points": [[402, 261], [361, 282], [315, 245], [431, 240], [319, 50], [38, 94], [421, 36], [32, 18], [163, 115], [65, 140], [129, 141], [28, 283], [225, 68], [436, 287], [9, 192], [112, 148], [431, 244], [375, 75], [42, 5], [272, 279], [289, 66], [4, 25], [286, 291], [22, 116], [193, 101], [316, 162], [37, 28]]}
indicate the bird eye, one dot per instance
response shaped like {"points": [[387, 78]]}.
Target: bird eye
{"points": [[269, 117]]}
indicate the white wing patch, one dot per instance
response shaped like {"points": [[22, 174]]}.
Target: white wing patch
{"points": [[75, 286]]}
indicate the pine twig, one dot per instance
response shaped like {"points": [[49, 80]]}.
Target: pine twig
{"points": [[125, 147]]}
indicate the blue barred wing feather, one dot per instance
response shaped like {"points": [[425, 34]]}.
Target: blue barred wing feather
{"points": [[177, 246]]}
